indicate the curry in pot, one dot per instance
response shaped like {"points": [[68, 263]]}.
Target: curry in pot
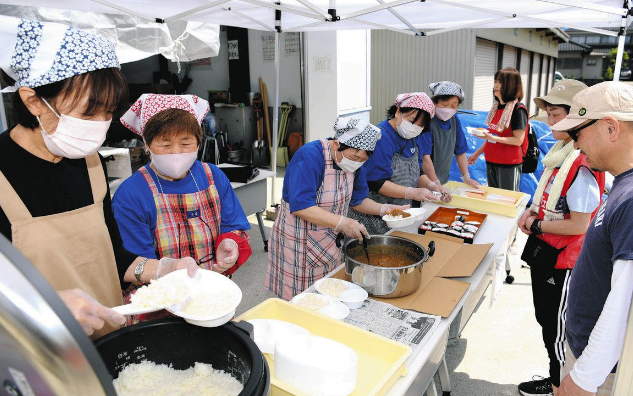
{"points": [[385, 256]]}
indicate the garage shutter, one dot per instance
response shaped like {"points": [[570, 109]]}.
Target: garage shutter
{"points": [[536, 71], [524, 69], [509, 57], [485, 68], [544, 76]]}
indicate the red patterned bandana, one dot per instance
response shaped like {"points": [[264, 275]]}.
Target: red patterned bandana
{"points": [[417, 100]]}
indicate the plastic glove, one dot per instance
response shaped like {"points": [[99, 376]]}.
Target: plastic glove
{"points": [[470, 181], [351, 228], [437, 187], [384, 208], [167, 265], [419, 194], [88, 312], [226, 255]]}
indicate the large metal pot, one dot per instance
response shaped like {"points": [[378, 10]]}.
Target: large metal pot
{"points": [[386, 282]]}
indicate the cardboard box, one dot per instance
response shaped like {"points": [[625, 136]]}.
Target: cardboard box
{"points": [[438, 295]]}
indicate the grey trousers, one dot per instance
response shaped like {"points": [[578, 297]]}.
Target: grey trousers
{"points": [[506, 177]]}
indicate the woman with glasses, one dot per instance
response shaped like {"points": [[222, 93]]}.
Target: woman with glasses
{"points": [[177, 206]]}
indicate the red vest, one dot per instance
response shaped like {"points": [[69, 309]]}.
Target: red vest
{"points": [[572, 243], [501, 153]]}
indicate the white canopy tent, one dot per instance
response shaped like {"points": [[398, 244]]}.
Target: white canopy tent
{"points": [[414, 17]]}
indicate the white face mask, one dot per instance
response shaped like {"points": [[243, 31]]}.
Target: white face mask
{"points": [[74, 138], [444, 113], [173, 165], [347, 164], [408, 130]]}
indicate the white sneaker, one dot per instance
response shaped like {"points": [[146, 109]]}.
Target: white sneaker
{"points": [[514, 249]]}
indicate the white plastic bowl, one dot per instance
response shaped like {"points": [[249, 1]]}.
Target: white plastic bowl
{"points": [[316, 365], [336, 310], [399, 223], [267, 332], [353, 298], [219, 283]]}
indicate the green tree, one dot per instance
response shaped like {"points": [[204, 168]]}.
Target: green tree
{"points": [[608, 75]]}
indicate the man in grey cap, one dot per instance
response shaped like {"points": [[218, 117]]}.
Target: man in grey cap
{"points": [[600, 121]]}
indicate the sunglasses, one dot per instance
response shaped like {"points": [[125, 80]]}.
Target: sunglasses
{"points": [[573, 133]]}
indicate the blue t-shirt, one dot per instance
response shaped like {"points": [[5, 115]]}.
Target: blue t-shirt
{"points": [[135, 209], [608, 239], [378, 166], [304, 176], [426, 139]]}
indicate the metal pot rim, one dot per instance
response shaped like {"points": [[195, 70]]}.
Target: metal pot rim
{"points": [[424, 259]]}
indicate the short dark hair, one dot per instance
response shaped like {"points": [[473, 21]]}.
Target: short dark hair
{"points": [[343, 147], [511, 85], [437, 98], [107, 87], [172, 122], [562, 106], [426, 117]]}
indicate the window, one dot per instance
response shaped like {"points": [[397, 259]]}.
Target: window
{"points": [[608, 40], [353, 69], [592, 61], [579, 39], [570, 63], [593, 39]]}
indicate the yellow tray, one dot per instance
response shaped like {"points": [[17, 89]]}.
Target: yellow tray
{"points": [[482, 205], [381, 361]]}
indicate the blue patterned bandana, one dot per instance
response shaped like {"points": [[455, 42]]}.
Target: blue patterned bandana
{"points": [[356, 133], [44, 52], [446, 88]]}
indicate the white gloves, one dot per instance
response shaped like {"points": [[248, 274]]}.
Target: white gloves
{"points": [[351, 228], [437, 187], [88, 312], [167, 265], [226, 255], [384, 208], [419, 194]]}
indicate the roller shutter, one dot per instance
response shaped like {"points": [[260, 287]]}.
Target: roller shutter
{"points": [[485, 68]]}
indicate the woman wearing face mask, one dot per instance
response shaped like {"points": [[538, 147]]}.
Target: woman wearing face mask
{"points": [[565, 201], [323, 179], [177, 206], [507, 124], [447, 137], [54, 199], [394, 173]]}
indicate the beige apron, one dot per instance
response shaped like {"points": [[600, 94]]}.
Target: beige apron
{"points": [[71, 249]]}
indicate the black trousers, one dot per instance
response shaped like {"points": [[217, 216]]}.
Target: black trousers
{"points": [[549, 294]]}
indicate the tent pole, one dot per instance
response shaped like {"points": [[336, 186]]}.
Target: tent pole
{"points": [[621, 37], [276, 104]]}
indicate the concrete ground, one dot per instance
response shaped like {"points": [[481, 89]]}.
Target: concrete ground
{"points": [[500, 347]]}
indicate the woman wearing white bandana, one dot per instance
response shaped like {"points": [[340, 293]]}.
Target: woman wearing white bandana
{"points": [[54, 199], [567, 197], [323, 179]]}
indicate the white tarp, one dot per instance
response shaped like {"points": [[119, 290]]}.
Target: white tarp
{"points": [[310, 15], [135, 38]]}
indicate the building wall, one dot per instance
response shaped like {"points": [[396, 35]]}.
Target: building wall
{"points": [[528, 39], [403, 63]]}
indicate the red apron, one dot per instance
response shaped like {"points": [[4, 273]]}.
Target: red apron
{"points": [[501, 153], [302, 252]]}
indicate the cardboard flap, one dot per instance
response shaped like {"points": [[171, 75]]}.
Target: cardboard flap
{"points": [[464, 261], [439, 297]]}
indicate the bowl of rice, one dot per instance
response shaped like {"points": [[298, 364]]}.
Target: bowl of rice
{"points": [[397, 218], [212, 301]]}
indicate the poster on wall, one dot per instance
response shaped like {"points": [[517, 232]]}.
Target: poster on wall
{"points": [[233, 50], [268, 47], [291, 43]]}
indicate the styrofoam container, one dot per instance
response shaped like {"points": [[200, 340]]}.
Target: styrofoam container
{"points": [[354, 298], [399, 223], [333, 308], [316, 365], [267, 332]]}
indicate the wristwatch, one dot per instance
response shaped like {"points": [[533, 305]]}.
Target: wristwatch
{"points": [[535, 228], [140, 267]]}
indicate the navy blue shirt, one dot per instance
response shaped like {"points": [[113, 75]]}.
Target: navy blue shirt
{"points": [[608, 239], [378, 166], [304, 176]]}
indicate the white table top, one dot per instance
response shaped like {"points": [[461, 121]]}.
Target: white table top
{"points": [[495, 230], [263, 174]]}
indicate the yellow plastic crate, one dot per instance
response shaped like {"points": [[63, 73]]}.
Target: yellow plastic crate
{"points": [[381, 361], [481, 205]]}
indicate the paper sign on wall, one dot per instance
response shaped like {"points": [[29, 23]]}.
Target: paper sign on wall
{"points": [[233, 50], [291, 43], [268, 47], [322, 64]]}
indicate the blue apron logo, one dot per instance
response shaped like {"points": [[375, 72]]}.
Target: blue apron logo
{"points": [[192, 214]]}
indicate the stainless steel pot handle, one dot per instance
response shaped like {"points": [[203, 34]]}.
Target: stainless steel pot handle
{"points": [[431, 248]]}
